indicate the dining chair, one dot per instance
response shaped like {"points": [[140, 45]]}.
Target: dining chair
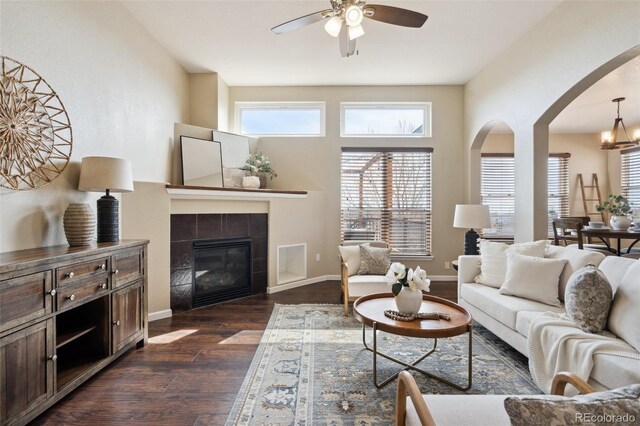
{"points": [[569, 231]]}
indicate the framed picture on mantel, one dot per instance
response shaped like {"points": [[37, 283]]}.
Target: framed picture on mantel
{"points": [[201, 162]]}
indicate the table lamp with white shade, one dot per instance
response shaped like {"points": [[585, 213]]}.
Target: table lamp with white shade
{"points": [[108, 174], [471, 216]]}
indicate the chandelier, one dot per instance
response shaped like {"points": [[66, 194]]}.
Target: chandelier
{"points": [[609, 140]]}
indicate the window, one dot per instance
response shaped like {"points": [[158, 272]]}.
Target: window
{"points": [[386, 195], [280, 118], [407, 119], [630, 179], [499, 186]]}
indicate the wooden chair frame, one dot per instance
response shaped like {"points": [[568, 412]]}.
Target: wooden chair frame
{"points": [[407, 386], [566, 226]]}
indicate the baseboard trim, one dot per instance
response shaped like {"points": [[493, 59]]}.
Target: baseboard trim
{"points": [[443, 277], [154, 316], [301, 283]]}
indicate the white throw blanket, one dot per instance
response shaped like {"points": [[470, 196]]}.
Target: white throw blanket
{"points": [[555, 344]]}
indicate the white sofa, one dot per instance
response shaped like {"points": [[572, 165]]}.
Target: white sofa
{"points": [[509, 317]]}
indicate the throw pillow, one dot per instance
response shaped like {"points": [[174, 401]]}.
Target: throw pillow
{"points": [[351, 256], [588, 299], [493, 259], [533, 278], [576, 259], [619, 406], [374, 260], [625, 309]]}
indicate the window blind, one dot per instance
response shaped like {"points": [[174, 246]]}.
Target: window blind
{"points": [[630, 176], [386, 196], [498, 189]]}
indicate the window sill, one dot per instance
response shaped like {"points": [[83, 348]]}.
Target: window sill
{"points": [[407, 257]]}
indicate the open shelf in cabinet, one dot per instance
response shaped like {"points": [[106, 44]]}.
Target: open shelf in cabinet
{"points": [[82, 339]]}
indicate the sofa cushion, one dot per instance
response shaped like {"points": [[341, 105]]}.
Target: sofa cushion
{"points": [[533, 278], [625, 309], [503, 308], [576, 259], [493, 259], [614, 268], [374, 260], [523, 321], [351, 256], [361, 285], [540, 410], [588, 299], [478, 410], [615, 371]]}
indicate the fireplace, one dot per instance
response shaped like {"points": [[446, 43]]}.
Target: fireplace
{"points": [[194, 286], [221, 270]]}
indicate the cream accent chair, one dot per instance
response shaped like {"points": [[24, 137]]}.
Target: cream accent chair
{"points": [[353, 285], [415, 409]]}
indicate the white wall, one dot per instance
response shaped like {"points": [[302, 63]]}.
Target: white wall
{"points": [[314, 163], [527, 79], [122, 92]]}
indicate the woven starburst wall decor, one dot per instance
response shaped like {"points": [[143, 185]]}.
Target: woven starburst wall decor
{"points": [[35, 133]]}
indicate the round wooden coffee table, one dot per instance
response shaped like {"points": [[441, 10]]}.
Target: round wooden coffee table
{"points": [[369, 310]]}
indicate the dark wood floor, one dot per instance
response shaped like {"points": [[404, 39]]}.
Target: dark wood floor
{"points": [[195, 379]]}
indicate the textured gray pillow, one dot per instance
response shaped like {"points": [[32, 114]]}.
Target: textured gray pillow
{"points": [[619, 406], [587, 298], [374, 260]]}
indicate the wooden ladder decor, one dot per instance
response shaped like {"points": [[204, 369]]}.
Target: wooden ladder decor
{"points": [[595, 191]]}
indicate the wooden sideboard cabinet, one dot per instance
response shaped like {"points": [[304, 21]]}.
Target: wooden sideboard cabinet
{"points": [[65, 314]]}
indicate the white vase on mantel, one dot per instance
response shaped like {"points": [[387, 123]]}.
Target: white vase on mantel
{"points": [[620, 223], [251, 182], [409, 301]]}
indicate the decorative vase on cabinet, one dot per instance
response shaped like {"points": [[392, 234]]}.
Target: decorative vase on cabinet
{"points": [[79, 223]]}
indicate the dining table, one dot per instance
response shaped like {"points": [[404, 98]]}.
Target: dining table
{"points": [[607, 234]]}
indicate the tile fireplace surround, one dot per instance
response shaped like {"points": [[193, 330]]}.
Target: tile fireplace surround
{"points": [[188, 227]]}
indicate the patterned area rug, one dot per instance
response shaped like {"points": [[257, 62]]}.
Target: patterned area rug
{"points": [[311, 369]]}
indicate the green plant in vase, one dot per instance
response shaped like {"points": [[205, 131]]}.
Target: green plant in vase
{"points": [[258, 164], [619, 208]]}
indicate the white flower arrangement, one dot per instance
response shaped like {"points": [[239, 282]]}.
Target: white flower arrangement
{"points": [[400, 276], [259, 163]]}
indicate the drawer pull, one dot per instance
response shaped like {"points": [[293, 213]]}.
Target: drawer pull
{"points": [[102, 286], [102, 267], [116, 272], [116, 323], [53, 358], [53, 292], [71, 297], [69, 275]]}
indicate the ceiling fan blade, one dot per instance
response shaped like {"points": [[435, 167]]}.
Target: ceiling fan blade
{"points": [[395, 15], [302, 21], [347, 47]]}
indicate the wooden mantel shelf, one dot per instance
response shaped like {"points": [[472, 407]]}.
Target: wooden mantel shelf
{"points": [[212, 192]]}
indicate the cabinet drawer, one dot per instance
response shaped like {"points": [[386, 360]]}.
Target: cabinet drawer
{"points": [[127, 267], [71, 296], [25, 298], [70, 274]]}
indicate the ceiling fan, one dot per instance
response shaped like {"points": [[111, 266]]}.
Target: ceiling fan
{"points": [[345, 18]]}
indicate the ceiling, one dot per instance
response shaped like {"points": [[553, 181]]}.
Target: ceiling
{"points": [[593, 111], [233, 38]]}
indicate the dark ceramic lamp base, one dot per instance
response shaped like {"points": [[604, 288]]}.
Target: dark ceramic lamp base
{"points": [[471, 242], [108, 219]]}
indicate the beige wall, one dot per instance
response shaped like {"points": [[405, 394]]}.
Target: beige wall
{"points": [[526, 80], [122, 92], [586, 158], [314, 163]]}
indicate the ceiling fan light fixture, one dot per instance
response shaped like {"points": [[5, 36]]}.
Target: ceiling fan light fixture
{"points": [[333, 26], [353, 15], [355, 32]]}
